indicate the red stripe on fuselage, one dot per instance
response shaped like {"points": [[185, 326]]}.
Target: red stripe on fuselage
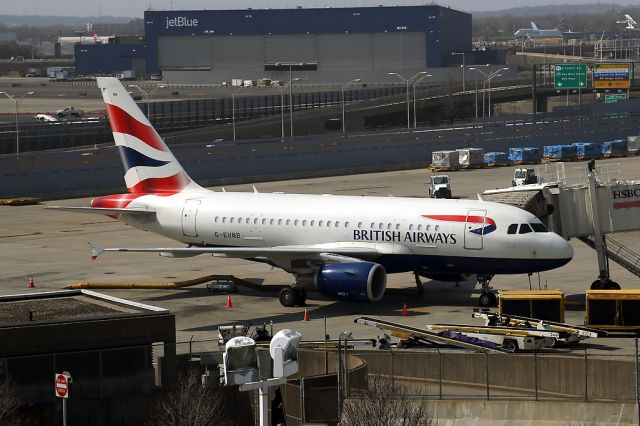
{"points": [[123, 122], [461, 218]]}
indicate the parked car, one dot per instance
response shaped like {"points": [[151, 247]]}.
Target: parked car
{"points": [[45, 117], [69, 111]]}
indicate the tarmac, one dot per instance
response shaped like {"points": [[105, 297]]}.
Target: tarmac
{"points": [[51, 246]]}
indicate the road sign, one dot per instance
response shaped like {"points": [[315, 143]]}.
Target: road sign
{"points": [[62, 386], [614, 97], [606, 76], [570, 76]]}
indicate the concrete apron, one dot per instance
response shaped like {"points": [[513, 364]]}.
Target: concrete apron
{"points": [[465, 412]]}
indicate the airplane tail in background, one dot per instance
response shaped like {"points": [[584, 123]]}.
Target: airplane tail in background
{"points": [[149, 165], [534, 26]]}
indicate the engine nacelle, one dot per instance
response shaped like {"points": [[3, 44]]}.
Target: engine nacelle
{"points": [[354, 282]]}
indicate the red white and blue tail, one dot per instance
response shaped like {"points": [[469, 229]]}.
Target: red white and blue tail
{"points": [[148, 164]]}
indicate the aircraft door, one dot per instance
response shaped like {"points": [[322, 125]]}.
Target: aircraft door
{"points": [[474, 228], [189, 213]]}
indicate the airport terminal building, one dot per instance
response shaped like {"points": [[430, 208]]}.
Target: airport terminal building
{"points": [[319, 45]]}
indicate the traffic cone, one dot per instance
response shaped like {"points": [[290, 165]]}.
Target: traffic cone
{"points": [[404, 310], [229, 304], [31, 285], [306, 316]]}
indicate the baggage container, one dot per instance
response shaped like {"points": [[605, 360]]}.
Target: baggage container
{"points": [[528, 155], [445, 160], [560, 153], [470, 158], [495, 159], [588, 150]]}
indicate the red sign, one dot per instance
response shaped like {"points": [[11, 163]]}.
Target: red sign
{"points": [[62, 386]]}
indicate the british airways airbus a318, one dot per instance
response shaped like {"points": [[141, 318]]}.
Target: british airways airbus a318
{"points": [[341, 246]]}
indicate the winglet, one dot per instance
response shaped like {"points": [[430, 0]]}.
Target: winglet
{"points": [[95, 250]]}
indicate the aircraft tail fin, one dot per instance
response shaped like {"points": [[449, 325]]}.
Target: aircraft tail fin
{"points": [[149, 165], [534, 26]]}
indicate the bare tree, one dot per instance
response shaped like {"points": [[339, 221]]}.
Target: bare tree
{"points": [[188, 403], [385, 403]]}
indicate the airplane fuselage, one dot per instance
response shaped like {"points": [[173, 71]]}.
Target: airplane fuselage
{"points": [[409, 234]]}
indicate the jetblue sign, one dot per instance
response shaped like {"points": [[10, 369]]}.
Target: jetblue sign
{"points": [[181, 22]]}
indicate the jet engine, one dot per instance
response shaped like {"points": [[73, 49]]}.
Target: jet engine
{"points": [[353, 282]]}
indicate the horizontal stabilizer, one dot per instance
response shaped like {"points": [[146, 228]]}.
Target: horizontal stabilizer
{"points": [[100, 210]]}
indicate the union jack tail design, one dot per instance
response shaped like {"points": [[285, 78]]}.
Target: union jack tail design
{"points": [[148, 164]]}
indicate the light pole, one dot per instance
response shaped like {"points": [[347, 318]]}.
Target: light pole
{"points": [[475, 69], [344, 127], [233, 111], [415, 83], [17, 125], [407, 81], [282, 105], [148, 95], [489, 77], [464, 87]]}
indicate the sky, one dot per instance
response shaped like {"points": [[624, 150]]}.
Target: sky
{"points": [[135, 8]]}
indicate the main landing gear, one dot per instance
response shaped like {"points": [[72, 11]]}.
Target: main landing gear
{"points": [[290, 297], [487, 297]]}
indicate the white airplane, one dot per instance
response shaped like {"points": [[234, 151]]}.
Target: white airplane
{"points": [[535, 32], [629, 21], [341, 246]]}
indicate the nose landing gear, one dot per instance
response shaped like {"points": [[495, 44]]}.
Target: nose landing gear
{"points": [[487, 297]]}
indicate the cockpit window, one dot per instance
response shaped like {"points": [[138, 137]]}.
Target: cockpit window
{"points": [[513, 228], [538, 227], [525, 228]]}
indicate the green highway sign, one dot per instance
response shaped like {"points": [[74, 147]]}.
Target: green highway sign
{"points": [[614, 97], [570, 76]]}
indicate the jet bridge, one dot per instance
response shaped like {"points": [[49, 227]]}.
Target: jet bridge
{"points": [[590, 209]]}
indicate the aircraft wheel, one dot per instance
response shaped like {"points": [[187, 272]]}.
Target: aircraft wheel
{"points": [[612, 285], [597, 285], [288, 297], [487, 299]]}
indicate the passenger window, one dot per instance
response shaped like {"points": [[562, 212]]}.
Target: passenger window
{"points": [[420, 227], [279, 221], [359, 225], [320, 222], [271, 222], [224, 219], [397, 226], [525, 228], [513, 228], [346, 224], [328, 223], [216, 219], [411, 227], [264, 221], [247, 221], [255, 221], [312, 222], [337, 223], [304, 222], [389, 226], [437, 227], [373, 225], [231, 219], [295, 222], [288, 222], [381, 225], [239, 220], [538, 227]]}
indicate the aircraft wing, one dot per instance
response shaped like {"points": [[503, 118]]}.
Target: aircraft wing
{"points": [[101, 210], [322, 253]]}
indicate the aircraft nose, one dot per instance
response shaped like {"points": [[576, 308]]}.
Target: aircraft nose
{"points": [[562, 249]]}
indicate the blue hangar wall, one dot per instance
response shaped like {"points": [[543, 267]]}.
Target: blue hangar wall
{"points": [[209, 45], [93, 59]]}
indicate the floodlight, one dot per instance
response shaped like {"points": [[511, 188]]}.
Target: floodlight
{"points": [[284, 352], [240, 361]]}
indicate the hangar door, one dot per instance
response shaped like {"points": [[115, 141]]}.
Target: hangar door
{"points": [[399, 50], [184, 53]]}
